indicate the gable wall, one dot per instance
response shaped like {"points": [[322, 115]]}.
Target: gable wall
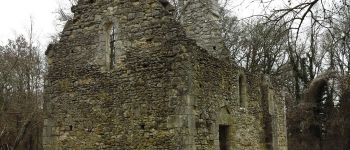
{"points": [[127, 107]]}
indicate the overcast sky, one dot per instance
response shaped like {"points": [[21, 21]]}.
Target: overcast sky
{"points": [[15, 17]]}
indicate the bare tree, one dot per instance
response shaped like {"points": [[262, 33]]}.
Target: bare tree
{"points": [[21, 88]]}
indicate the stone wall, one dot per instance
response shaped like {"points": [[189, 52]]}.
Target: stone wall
{"points": [[201, 20], [126, 107], [216, 102], [163, 91], [274, 116]]}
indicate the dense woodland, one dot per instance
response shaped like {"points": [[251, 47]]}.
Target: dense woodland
{"points": [[303, 45]]}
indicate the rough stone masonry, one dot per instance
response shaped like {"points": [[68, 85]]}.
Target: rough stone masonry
{"points": [[127, 75]]}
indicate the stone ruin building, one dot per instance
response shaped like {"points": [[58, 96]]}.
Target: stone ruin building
{"points": [[126, 74]]}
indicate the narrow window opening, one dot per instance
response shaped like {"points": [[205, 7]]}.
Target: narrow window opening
{"points": [[70, 128], [112, 46], [242, 90], [214, 47], [223, 137]]}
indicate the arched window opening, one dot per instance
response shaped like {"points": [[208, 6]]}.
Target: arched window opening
{"points": [[242, 90]]}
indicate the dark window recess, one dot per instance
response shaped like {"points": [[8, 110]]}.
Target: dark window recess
{"points": [[149, 40], [164, 3], [223, 137], [214, 47], [142, 126], [70, 128], [112, 47], [145, 65], [241, 90]]}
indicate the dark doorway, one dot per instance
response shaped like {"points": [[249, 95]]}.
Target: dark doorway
{"points": [[223, 137]]}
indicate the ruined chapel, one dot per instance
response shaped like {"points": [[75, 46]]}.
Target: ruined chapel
{"points": [[129, 75]]}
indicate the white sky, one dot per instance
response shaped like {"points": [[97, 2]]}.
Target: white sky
{"points": [[15, 17]]}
